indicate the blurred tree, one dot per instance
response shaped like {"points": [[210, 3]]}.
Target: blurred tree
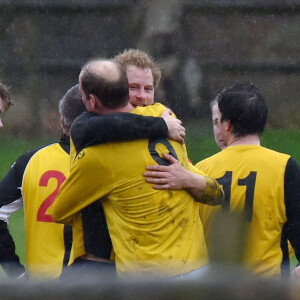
{"points": [[163, 37]]}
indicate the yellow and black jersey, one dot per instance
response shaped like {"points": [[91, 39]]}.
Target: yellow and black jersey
{"points": [[260, 183], [121, 126], [45, 240], [152, 232], [87, 130], [92, 129]]}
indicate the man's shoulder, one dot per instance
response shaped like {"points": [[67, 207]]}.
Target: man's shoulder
{"points": [[153, 110], [23, 160], [81, 121], [274, 157], [213, 157], [84, 130], [25, 157], [45, 152], [275, 153]]}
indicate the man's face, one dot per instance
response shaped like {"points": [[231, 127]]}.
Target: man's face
{"points": [[1, 111], [141, 89], [217, 126]]}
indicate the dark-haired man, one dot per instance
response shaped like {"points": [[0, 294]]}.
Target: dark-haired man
{"points": [[215, 120], [261, 183]]}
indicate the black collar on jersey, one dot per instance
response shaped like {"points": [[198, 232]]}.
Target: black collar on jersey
{"points": [[64, 142], [82, 132]]}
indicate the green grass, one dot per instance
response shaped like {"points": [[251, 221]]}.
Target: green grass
{"points": [[199, 141]]}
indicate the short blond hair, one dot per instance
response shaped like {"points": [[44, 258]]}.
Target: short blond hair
{"points": [[140, 59]]}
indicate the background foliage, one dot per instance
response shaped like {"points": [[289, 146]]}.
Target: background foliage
{"points": [[202, 46]]}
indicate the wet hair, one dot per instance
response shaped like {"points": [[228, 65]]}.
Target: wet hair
{"points": [[245, 107], [107, 80], [5, 96], [71, 106], [140, 59]]}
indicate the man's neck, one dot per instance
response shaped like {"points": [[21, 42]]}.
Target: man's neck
{"points": [[251, 139]]}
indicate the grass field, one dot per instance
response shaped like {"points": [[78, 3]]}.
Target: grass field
{"points": [[200, 144]]}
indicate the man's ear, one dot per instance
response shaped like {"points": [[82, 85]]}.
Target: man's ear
{"points": [[94, 101], [228, 126], [62, 123]]}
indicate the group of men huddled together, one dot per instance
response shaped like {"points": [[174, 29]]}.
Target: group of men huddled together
{"points": [[118, 195]]}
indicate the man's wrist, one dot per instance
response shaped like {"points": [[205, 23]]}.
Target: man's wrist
{"points": [[213, 194]]}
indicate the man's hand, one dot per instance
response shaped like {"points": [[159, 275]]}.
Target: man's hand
{"points": [[175, 177], [176, 131], [172, 177]]}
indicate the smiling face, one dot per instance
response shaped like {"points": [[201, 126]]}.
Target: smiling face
{"points": [[216, 117], [141, 89]]}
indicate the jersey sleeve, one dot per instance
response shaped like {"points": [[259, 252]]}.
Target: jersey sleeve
{"points": [[213, 193], [10, 186], [91, 129], [292, 203], [81, 188], [8, 258]]}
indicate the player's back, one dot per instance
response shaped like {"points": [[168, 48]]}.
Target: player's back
{"points": [[253, 182], [45, 246], [152, 231]]}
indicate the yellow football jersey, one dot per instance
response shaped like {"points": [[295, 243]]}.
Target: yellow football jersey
{"points": [[253, 182], [153, 232], [45, 246]]}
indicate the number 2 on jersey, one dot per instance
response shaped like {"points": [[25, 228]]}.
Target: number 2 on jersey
{"points": [[42, 215], [249, 182]]}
